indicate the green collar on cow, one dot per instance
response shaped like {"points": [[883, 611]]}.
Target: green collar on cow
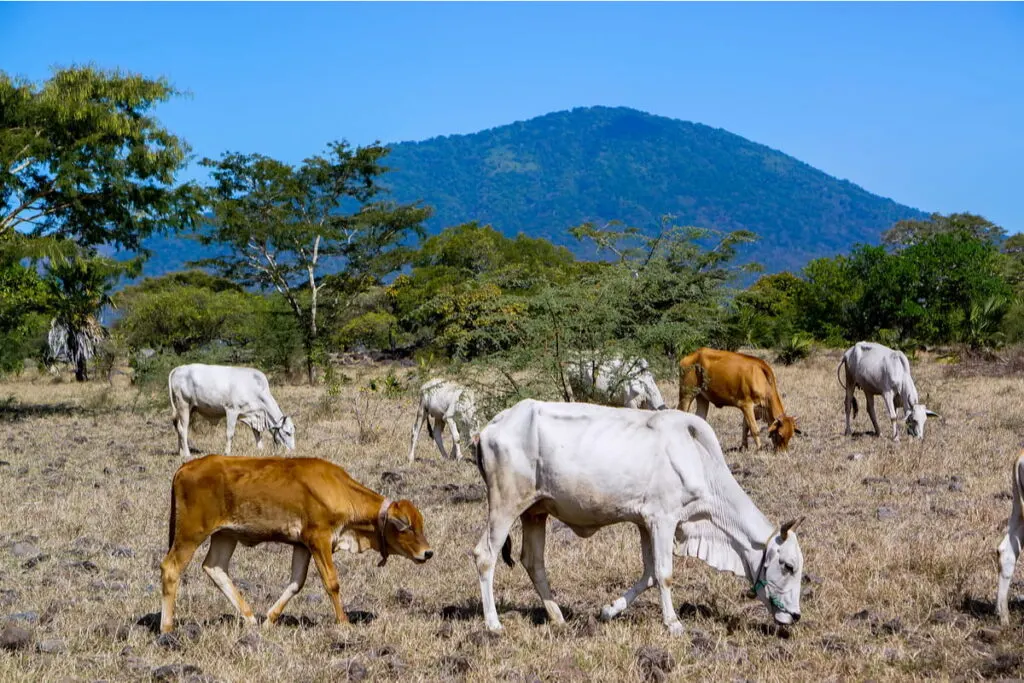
{"points": [[760, 578]]}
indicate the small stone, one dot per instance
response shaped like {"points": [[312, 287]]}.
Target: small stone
{"points": [[25, 617], [52, 646], [392, 478], [14, 637], [33, 561], [175, 672], [83, 565], [655, 662], [350, 669], [479, 638], [404, 597], [455, 665], [24, 550], [956, 486], [445, 631], [885, 513], [169, 641], [122, 551], [855, 456], [987, 635], [870, 481]]}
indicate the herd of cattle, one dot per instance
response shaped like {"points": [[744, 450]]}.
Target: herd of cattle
{"points": [[587, 465]]}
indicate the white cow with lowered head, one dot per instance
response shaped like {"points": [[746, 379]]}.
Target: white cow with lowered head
{"points": [[625, 382], [236, 394], [591, 466], [447, 403], [877, 369]]}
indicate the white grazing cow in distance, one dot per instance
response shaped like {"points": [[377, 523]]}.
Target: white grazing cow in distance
{"points": [[447, 403], [1009, 549], [591, 466], [236, 394], [616, 381], [877, 369]]}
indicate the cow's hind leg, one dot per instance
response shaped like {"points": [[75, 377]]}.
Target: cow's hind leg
{"points": [[499, 522], [534, 528], [300, 568], [421, 415], [171, 569], [181, 421], [849, 404], [662, 536], [1009, 549], [645, 582], [750, 425], [438, 430], [216, 564], [456, 438], [869, 399]]}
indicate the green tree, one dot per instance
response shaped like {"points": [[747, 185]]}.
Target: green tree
{"points": [[284, 224], [83, 161], [907, 233]]}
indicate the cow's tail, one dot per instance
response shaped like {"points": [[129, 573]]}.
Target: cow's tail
{"points": [[839, 377], [506, 547], [170, 394]]}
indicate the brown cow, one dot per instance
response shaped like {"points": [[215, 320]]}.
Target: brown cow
{"points": [[726, 378], [311, 504]]}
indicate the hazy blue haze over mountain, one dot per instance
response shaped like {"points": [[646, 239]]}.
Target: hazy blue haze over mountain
{"points": [[545, 175]]}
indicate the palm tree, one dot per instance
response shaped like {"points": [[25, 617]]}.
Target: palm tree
{"points": [[79, 288]]}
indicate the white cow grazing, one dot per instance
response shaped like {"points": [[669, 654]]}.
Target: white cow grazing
{"points": [[591, 466], [626, 383], [877, 369], [448, 403], [1009, 549], [216, 391]]}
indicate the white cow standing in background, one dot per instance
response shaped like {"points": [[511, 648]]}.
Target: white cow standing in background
{"points": [[236, 394], [877, 369], [447, 403], [616, 381], [591, 466]]}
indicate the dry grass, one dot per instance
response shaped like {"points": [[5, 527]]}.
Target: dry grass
{"points": [[86, 474]]}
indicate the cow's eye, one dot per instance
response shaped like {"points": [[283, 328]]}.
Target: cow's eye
{"points": [[787, 567]]}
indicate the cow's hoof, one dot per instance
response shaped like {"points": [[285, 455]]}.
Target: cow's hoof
{"points": [[607, 613], [676, 629], [495, 628]]}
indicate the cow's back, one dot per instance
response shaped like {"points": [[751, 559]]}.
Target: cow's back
{"points": [[728, 377], [876, 368], [212, 388]]}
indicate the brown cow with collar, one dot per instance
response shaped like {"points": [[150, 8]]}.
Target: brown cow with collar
{"points": [[311, 504], [727, 378]]}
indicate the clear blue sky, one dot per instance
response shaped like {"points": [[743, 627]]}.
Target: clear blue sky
{"points": [[920, 102]]}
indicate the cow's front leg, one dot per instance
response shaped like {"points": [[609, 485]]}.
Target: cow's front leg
{"points": [[702, 407], [230, 417], [320, 548], [534, 527], [750, 424], [887, 398], [663, 534], [456, 443], [646, 581]]}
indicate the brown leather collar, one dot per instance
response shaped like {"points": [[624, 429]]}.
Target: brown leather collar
{"points": [[382, 521]]}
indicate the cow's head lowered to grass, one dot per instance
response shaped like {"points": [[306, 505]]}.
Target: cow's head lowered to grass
{"points": [[915, 419], [284, 432], [777, 582]]}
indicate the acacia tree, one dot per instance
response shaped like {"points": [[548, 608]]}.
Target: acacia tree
{"points": [[83, 162], [286, 225]]}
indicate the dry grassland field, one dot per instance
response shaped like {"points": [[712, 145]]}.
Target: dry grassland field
{"points": [[899, 543]]}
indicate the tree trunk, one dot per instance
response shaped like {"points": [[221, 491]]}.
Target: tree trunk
{"points": [[81, 369]]}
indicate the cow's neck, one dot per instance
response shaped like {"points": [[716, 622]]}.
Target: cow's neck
{"points": [[359, 510], [736, 515]]}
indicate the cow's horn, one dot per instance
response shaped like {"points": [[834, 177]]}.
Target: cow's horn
{"points": [[788, 526]]}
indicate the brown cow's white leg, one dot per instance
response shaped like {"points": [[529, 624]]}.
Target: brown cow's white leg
{"points": [[662, 536], [486, 555], [171, 568], [321, 550], [216, 564], [300, 567], [533, 561], [645, 582]]}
